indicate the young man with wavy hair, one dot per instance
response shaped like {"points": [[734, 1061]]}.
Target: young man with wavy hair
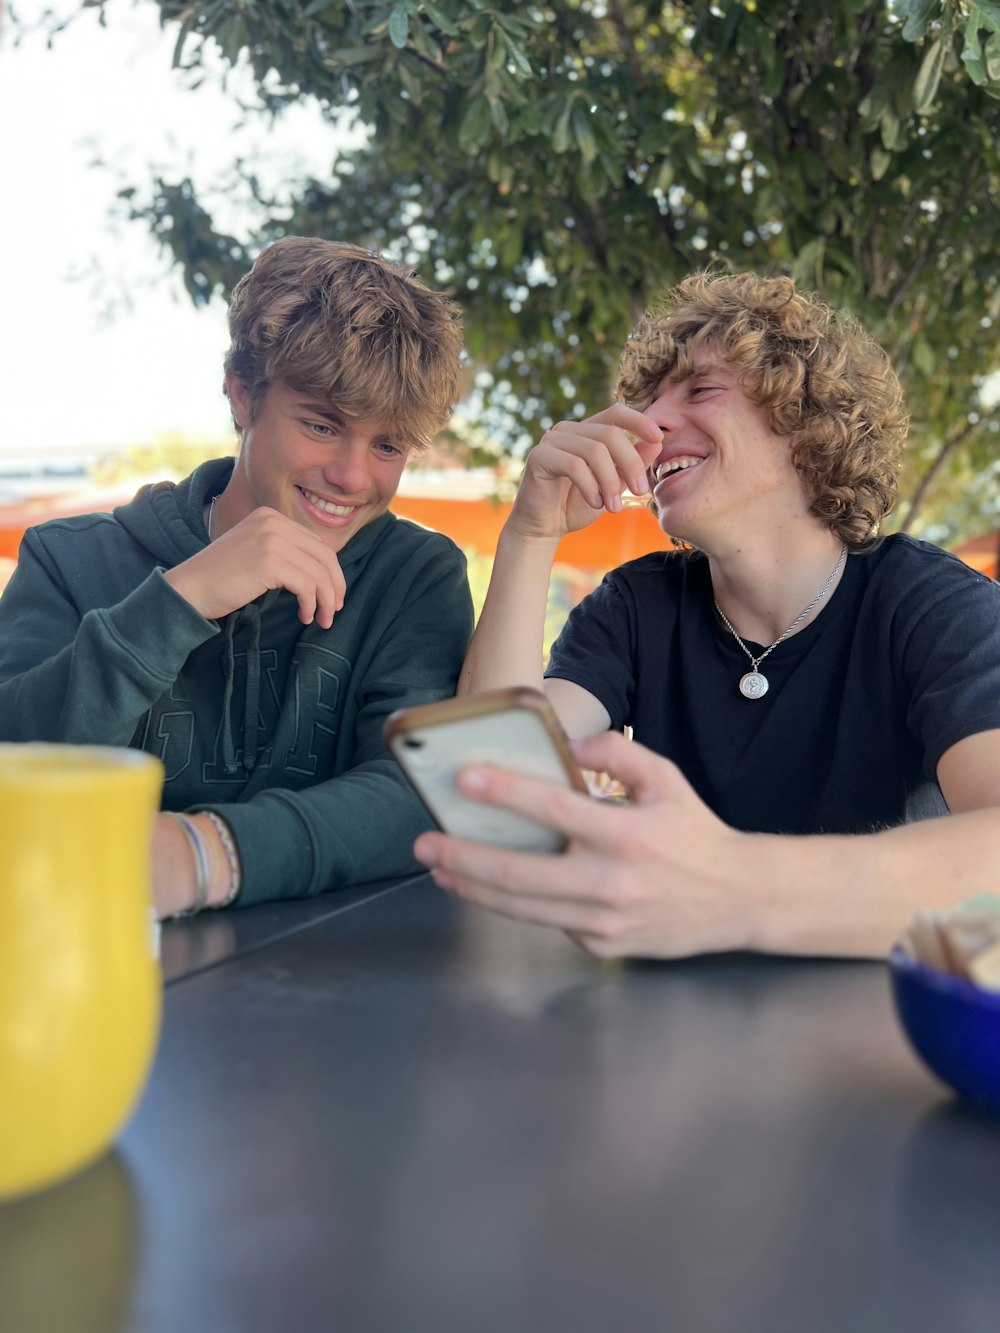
{"points": [[804, 694], [254, 624]]}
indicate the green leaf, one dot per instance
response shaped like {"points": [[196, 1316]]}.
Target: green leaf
{"points": [[664, 176], [511, 245], [920, 13], [807, 266], [560, 135], [879, 162], [529, 118], [591, 180], [928, 77], [890, 128], [411, 81], [352, 55], [695, 165], [479, 30], [972, 54], [498, 115], [496, 51], [521, 63], [923, 355], [987, 12], [399, 27], [424, 43], [440, 20], [517, 27], [475, 126], [583, 132]]}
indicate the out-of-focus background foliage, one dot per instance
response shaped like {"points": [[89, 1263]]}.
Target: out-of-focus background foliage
{"points": [[555, 164]]}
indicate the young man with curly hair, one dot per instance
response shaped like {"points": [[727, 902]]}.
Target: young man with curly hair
{"points": [[804, 695], [254, 624]]}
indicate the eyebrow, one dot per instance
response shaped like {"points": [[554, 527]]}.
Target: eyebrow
{"points": [[319, 410], [703, 372]]}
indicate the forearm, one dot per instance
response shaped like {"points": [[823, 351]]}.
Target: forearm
{"points": [[89, 680], [506, 648], [844, 896], [349, 830]]}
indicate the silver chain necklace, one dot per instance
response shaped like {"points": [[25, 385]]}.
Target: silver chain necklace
{"points": [[754, 685]]}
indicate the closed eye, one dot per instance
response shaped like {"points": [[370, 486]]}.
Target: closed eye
{"points": [[704, 388]]}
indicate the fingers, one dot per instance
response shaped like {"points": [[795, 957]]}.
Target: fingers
{"points": [[284, 555], [617, 446], [268, 550], [576, 816], [548, 890], [583, 920], [630, 419], [648, 776], [312, 577], [319, 584]]}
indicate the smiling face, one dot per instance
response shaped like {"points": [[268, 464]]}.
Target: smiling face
{"points": [[721, 470], [329, 472]]}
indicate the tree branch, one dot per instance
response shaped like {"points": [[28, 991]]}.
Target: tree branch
{"points": [[948, 447]]}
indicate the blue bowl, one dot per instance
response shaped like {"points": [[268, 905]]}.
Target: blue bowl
{"points": [[954, 1027]]}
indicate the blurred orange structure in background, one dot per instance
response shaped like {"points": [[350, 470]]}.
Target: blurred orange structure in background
{"points": [[474, 524], [982, 553]]}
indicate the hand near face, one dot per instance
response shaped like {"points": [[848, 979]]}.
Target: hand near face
{"points": [[580, 468], [661, 878], [266, 550]]}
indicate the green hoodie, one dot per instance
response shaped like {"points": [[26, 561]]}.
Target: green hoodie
{"points": [[274, 725]]}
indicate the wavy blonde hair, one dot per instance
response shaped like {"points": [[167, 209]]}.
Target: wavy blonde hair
{"points": [[816, 371], [349, 327]]}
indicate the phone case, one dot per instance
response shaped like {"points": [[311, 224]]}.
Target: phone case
{"points": [[515, 728]]}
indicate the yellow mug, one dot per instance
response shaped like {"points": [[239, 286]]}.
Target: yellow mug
{"points": [[79, 977]]}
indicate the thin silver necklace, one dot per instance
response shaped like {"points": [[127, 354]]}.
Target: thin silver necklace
{"points": [[754, 685]]}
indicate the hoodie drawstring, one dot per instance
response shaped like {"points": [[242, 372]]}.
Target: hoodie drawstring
{"points": [[250, 616], [251, 710], [229, 659]]}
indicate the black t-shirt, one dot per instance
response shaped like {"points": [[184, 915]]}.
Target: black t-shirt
{"points": [[902, 662]]}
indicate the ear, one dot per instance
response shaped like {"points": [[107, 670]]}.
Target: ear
{"points": [[239, 401]]}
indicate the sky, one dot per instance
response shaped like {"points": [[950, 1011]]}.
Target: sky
{"points": [[99, 345]]}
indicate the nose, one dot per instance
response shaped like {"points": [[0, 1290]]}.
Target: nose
{"points": [[665, 409], [348, 472]]}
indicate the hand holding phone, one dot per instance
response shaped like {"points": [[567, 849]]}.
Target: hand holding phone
{"points": [[513, 728]]}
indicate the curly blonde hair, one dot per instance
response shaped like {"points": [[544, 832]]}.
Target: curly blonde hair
{"points": [[816, 371], [349, 327]]}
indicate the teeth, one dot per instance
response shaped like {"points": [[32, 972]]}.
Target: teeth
{"points": [[327, 506], [676, 465]]}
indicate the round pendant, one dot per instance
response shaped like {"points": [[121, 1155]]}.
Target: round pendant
{"points": [[753, 685]]}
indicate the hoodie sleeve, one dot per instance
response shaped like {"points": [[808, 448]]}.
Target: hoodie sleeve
{"points": [[86, 679], [361, 826]]}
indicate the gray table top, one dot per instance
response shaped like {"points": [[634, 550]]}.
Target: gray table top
{"points": [[405, 1115]]}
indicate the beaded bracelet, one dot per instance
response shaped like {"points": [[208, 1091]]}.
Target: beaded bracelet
{"points": [[197, 845], [232, 858]]}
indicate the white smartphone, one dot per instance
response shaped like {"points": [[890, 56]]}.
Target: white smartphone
{"points": [[515, 728]]}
